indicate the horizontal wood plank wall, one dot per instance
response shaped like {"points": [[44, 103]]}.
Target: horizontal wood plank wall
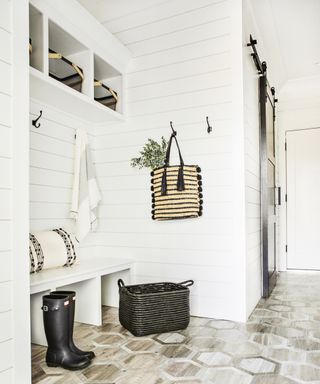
{"points": [[6, 307], [252, 165], [182, 71], [51, 168]]}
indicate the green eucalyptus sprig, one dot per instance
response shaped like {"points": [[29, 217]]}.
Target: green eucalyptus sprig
{"points": [[152, 155]]}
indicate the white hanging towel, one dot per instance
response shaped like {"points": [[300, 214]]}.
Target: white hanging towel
{"points": [[85, 193]]}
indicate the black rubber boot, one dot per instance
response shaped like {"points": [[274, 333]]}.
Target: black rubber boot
{"points": [[56, 326], [72, 298]]}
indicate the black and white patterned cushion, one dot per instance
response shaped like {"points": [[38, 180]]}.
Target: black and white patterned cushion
{"points": [[51, 249]]}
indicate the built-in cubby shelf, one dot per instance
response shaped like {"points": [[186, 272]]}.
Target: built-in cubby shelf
{"points": [[53, 93], [36, 36], [48, 30]]}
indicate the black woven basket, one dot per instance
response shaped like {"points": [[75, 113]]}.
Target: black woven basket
{"points": [[154, 308]]}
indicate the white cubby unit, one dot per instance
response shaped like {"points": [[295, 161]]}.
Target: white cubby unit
{"points": [[37, 37], [93, 49]]}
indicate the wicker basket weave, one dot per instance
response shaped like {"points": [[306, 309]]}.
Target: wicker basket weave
{"points": [[154, 308]]}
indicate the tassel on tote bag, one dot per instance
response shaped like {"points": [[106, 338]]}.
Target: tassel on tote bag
{"points": [[176, 189]]}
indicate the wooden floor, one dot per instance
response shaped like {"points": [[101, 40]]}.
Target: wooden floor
{"points": [[280, 344]]}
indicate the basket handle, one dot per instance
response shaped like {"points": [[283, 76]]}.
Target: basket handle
{"points": [[187, 283], [120, 283]]}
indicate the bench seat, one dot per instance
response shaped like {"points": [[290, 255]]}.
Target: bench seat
{"points": [[95, 282]]}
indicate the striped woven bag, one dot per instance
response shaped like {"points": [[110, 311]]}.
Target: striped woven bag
{"points": [[176, 189]]}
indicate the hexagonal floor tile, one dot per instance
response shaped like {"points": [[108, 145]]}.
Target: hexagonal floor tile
{"points": [[109, 339], [63, 379], [69, 379], [313, 358], [110, 353], [272, 379], [112, 327], [305, 344], [142, 345], [257, 365], [170, 338], [302, 372], [107, 373], [200, 331], [213, 358], [264, 313], [315, 334], [202, 343], [258, 328], [84, 335], [227, 376], [52, 371], [308, 325], [268, 339], [175, 351], [198, 321], [232, 335], [141, 376], [141, 361], [110, 313], [280, 308], [222, 324], [183, 369], [287, 332], [284, 354], [245, 349], [295, 315], [279, 322]]}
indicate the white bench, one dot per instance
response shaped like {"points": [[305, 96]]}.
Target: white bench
{"points": [[95, 282]]}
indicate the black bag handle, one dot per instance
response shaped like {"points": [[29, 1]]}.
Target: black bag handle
{"points": [[167, 159], [120, 283], [180, 181], [187, 283]]}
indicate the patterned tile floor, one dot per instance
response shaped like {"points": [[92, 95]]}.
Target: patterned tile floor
{"points": [[280, 344]]}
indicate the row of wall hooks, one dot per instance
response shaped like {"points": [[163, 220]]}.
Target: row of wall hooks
{"points": [[209, 127], [36, 124]]}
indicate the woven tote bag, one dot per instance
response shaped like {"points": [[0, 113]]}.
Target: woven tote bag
{"points": [[176, 189]]}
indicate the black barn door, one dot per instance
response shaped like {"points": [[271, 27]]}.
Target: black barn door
{"points": [[269, 193]]}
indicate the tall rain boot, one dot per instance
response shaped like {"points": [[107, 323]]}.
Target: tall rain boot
{"points": [[72, 298], [56, 326]]}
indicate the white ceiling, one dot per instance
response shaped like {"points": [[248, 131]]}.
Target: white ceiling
{"points": [[107, 11], [289, 28], [292, 27]]}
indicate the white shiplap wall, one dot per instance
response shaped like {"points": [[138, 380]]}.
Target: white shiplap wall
{"points": [[6, 256], [51, 167], [186, 66], [252, 167]]}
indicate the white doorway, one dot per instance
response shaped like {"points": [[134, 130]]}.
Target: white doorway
{"points": [[303, 199]]}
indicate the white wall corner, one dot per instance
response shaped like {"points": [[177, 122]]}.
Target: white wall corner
{"points": [[238, 150], [20, 182]]}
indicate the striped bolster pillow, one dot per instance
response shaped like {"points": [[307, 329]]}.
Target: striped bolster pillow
{"points": [[51, 249]]}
